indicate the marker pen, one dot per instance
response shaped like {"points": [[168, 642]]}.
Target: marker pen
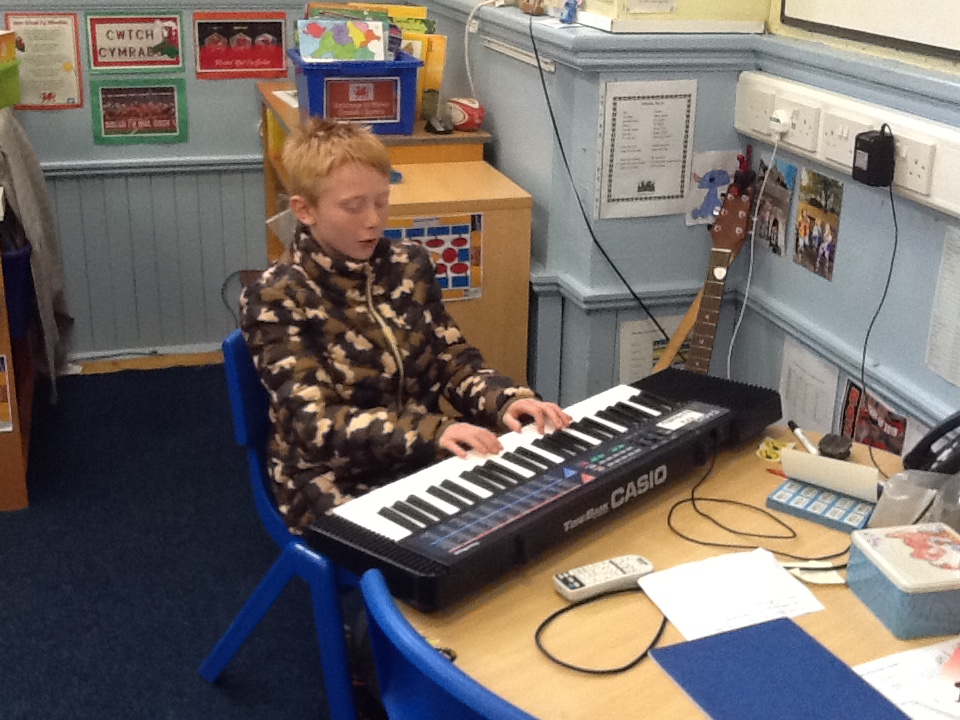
{"points": [[804, 440]]}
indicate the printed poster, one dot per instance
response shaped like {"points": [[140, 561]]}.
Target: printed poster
{"points": [[134, 43], [646, 148], [239, 45], [818, 223], [48, 48], [455, 243], [139, 111], [868, 420]]}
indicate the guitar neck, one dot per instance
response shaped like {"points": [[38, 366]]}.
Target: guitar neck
{"points": [[705, 328]]}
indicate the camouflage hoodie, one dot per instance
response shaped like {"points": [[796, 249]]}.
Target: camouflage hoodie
{"points": [[356, 357]]}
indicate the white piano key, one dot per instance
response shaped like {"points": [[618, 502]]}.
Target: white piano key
{"points": [[582, 436], [643, 408]]}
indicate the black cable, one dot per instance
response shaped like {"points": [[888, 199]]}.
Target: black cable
{"points": [[583, 212], [223, 296], [883, 298], [537, 637], [694, 500]]}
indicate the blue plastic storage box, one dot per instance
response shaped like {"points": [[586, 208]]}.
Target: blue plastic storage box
{"points": [[909, 577], [18, 289], [379, 93]]}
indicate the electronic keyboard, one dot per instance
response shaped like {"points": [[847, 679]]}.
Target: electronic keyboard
{"points": [[446, 530]]}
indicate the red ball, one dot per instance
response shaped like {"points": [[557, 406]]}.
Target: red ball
{"points": [[465, 113]]}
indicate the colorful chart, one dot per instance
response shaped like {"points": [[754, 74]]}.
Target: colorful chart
{"points": [[455, 244]]}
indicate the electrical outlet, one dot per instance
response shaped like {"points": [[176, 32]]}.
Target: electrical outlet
{"points": [[914, 164], [838, 135], [753, 110], [804, 129]]}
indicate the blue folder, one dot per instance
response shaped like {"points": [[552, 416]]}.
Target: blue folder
{"points": [[771, 671]]}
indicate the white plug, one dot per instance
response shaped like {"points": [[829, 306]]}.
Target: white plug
{"points": [[781, 121]]}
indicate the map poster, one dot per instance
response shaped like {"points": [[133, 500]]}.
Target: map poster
{"points": [[48, 48], [239, 45], [455, 244], [139, 111], [128, 43]]}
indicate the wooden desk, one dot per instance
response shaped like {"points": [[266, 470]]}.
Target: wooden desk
{"points": [[16, 403], [443, 176], [493, 633]]}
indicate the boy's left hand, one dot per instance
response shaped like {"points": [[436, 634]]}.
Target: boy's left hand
{"points": [[541, 412]]}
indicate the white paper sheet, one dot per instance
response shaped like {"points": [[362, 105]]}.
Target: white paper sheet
{"points": [[913, 681], [727, 592], [943, 342], [645, 148], [808, 388]]}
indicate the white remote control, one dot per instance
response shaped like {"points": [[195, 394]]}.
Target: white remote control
{"points": [[619, 573]]}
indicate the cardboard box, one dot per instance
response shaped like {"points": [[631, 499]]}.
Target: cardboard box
{"points": [[8, 46], [382, 94], [909, 577]]}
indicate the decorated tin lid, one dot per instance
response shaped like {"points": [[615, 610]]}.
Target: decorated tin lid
{"points": [[916, 558]]}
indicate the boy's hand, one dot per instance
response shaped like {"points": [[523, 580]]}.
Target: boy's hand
{"points": [[461, 437], [541, 412]]}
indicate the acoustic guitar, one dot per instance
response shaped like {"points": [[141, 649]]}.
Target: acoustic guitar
{"points": [[727, 233]]}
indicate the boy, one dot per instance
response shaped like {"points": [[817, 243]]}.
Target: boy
{"points": [[353, 343]]}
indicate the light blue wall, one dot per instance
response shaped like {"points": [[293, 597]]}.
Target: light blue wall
{"points": [[578, 303]]}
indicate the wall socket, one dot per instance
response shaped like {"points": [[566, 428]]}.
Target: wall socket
{"points": [[838, 135], [804, 128], [754, 109], [913, 169]]}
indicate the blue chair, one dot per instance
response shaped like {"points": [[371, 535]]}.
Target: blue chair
{"points": [[249, 404], [416, 680]]}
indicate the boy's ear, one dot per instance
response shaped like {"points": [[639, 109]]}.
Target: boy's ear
{"points": [[302, 209]]}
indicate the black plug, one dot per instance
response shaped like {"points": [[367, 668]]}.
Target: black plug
{"points": [[873, 157]]}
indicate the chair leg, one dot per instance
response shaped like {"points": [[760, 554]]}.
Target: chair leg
{"points": [[333, 647], [249, 616]]}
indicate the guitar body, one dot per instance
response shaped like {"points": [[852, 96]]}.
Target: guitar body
{"points": [[699, 324]]}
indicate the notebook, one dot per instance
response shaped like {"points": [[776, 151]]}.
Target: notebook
{"points": [[769, 671]]}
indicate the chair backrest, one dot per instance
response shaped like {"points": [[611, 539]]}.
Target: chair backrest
{"points": [[416, 680], [250, 406]]}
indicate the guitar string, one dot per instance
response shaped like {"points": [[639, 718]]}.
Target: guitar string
{"points": [[583, 212]]}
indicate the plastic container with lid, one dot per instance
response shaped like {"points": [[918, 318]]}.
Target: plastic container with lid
{"points": [[909, 577]]}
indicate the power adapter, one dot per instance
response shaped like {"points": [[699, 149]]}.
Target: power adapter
{"points": [[873, 157]]}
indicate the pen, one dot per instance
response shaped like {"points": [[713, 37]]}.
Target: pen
{"points": [[805, 441]]}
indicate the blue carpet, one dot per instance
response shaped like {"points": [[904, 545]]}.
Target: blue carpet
{"points": [[140, 544]]}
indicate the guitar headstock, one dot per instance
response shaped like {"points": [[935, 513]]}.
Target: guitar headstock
{"points": [[730, 228]]}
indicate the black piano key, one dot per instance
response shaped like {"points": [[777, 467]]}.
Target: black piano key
{"points": [[428, 508], [645, 407], [614, 417], [536, 457], [493, 476], [401, 520], [448, 498], [460, 490], [659, 403], [504, 470], [479, 480], [517, 459], [564, 442], [552, 446], [411, 512], [579, 443], [632, 412], [597, 429]]}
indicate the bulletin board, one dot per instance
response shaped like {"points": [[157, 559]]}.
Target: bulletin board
{"points": [[927, 26]]}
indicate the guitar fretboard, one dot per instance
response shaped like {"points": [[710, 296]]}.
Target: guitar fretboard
{"points": [[705, 329]]}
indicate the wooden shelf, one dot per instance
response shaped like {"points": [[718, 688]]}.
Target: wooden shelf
{"points": [[15, 442]]}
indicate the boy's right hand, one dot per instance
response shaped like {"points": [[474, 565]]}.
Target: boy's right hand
{"points": [[462, 437]]}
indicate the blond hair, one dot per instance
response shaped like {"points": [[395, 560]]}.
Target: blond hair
{"points": [[319, 147]]}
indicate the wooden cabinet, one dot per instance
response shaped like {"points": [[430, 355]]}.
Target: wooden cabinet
{"points": [[16, 402], [448, 190]]}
